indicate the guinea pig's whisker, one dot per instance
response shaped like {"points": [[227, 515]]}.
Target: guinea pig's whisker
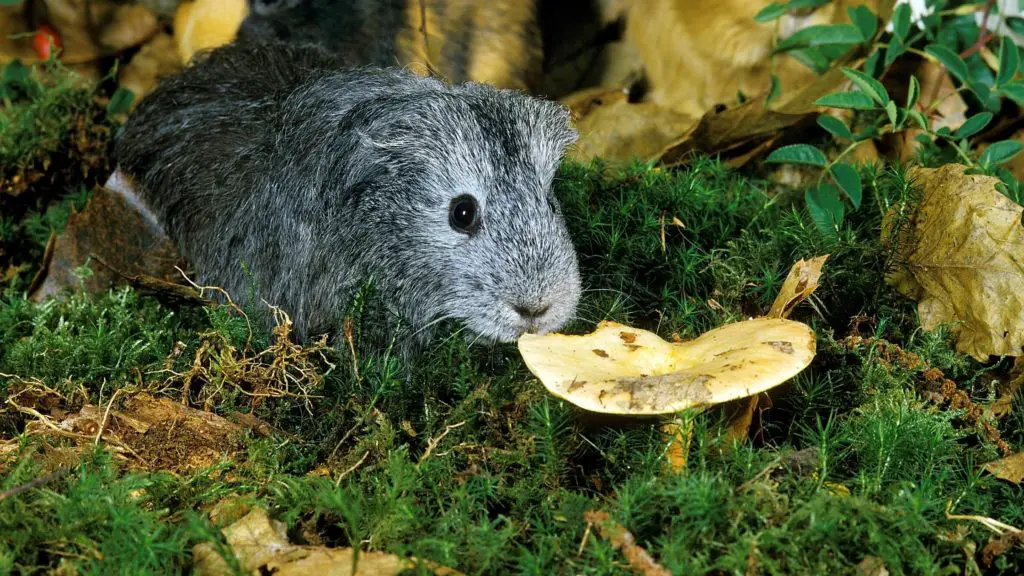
{"points": [[432, 323]]}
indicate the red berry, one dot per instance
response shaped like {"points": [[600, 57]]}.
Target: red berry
{"points": [[42, 41]]}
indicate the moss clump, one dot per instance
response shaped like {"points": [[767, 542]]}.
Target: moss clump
{"points": [[476, 467]]}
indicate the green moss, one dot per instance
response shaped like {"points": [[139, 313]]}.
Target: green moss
{"points": [[506, 488]]}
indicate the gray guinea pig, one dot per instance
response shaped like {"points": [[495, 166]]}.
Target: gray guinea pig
{"points": [[273, 168]]}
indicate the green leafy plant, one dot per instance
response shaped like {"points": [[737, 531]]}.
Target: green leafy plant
{"points": [[839, 185]]}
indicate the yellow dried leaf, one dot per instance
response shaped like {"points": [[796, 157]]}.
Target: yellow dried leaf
{"points": [[204, 24], [1010, 468], [157, 59], [612, 128], [622, 370], [261, 546], [962, 259], [802, 281]]}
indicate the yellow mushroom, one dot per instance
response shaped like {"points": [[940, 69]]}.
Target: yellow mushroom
{"points": [[618, 369]]}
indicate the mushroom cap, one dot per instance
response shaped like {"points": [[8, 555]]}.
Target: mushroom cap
{"points": [[618, 369]]}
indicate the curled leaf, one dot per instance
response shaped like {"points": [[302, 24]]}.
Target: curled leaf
{"points": [[961, 256]]}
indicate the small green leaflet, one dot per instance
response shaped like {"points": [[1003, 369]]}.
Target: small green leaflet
{"points": [[852, 100], [798, 154], [822, 35], [894, 50], [805, 4], [868, 85], [1009, 61], [950, 59], [864, 19], [913, 92], [919, 118], [835, 126], [999, 152], [771, 12], [121, 101], [892, 113], [901, 21], [973, 125], [825, 207], [1014, 91], [847, 177]]}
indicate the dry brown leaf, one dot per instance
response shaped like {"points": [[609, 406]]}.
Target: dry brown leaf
{"points": [[679, 435], [999, 545], [801, 282], [871, 566], [939, 94], [701, 53], [260, 544], [204, 24], [1007, 392], [15, 35], [1010, 468], [117, 231], [618, 369], [623, 540], [95, 28], [939, 100], [157, 59], [615, 130], [499, 41], [962, 259]]}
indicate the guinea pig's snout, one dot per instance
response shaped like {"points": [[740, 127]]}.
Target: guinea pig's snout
{"points": [[530, 313], [532, 316]]}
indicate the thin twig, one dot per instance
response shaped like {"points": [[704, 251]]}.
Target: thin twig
{"points": [[34, 483], [103, 422], [351, 468], [433, 442], [990, 523], [583, 541]]}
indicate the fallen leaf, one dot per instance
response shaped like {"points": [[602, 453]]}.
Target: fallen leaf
{"points": [[1010, 468], [91, 29], [939, 100], [618, 369], [157, 59], [117, 230], [15, 34], [679, 435], [799, 284], [961, 256], [499, 43], [205, 24], [615, 130], [624, 541], [741, 125], [940, 95], [260, 544], [999, 545], [872, 566], [1007, 392]]}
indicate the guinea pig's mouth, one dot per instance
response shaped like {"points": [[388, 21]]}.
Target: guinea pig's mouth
{"points": [[510, 321]]}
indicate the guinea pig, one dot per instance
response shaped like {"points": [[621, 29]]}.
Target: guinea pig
{"points": [[272, 168]]}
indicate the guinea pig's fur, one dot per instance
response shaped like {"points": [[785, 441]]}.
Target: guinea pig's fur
{"points": [[271, 167], [363, 32]]}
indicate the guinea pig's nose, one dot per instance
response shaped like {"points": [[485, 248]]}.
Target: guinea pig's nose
{"points": [[531, 312]]}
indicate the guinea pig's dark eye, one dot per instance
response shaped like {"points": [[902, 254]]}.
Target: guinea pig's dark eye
{"points": [[464, 214]]}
